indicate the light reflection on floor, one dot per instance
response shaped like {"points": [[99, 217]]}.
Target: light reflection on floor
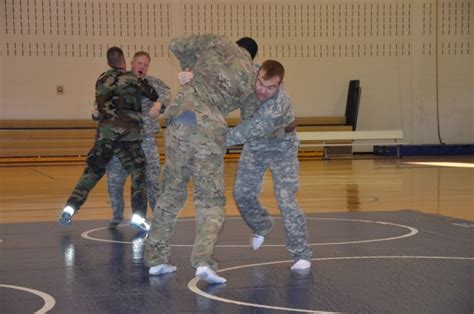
{"points": [[441, 164]]}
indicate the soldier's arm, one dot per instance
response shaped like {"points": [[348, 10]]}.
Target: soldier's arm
{"points": [[267, 120], [248, 130], [104, 88], [147, 90], [95, 114], [249, 108], [163, 91], [237, 104], [292, 126], [247, 104]]}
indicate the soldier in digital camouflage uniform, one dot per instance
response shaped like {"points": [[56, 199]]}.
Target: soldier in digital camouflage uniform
{"points": [[119, 133], [267, 146], [116, 173], [195, 146]]}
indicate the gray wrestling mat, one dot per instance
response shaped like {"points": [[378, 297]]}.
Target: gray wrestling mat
{"points": [[371, 262]]}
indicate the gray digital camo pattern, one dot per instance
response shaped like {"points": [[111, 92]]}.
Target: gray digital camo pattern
{"points": [[118, 94], [116, 173], [267, 146], [223, 75], [151, 125]]}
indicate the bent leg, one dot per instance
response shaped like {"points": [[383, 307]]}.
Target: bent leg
{"points": [[97, 160], [174, 191], [247, 188], [152, 170], [209, 199], [116, 176], [286, 182], [132, 158]]}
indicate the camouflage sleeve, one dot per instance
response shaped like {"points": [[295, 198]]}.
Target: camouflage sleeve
{"points": [[104, 88], [162, 89], [246, 103], [147, 90], [186, 49], [249, 107], [95, 117], [274, 114]]}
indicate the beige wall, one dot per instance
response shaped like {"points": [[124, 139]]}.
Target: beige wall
{"points": [[389, 45]]}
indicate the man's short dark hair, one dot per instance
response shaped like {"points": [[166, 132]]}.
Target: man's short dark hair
{"points": [[272, 68], [115, 57], [248, 44]]}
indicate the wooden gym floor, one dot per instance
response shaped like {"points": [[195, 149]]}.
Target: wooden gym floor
{"points": [[388, 236]]}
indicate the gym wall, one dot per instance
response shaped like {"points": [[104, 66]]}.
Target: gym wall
{"points": [[414, 58]]}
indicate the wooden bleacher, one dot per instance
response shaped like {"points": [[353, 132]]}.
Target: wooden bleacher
{"points": [[351, 138], [46, 140], [65, 140]]}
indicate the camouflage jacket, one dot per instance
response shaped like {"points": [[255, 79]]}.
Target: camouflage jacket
{"points": [[263, 123], [151, 125], [223, 76], [118, 99]]}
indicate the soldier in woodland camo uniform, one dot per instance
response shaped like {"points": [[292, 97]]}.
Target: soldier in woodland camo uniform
{"points": [[116, 173], [267, 146], [195, 148], [119, 133]]}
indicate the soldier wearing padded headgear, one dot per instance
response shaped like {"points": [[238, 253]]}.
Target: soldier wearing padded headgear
{"points": [[267, 145], [222, 75], [119, 133]]}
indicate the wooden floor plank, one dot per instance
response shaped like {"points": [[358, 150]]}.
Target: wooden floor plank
{"points": [[38, 192]]}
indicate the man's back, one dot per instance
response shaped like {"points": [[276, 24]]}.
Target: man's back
{"points": [[223, 74], [118, 101]]}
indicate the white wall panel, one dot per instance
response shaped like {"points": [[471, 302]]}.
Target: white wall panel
{"points": [[414, 57]]}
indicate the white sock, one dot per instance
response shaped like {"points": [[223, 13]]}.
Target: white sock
{"points": [[137, 219], [140, 222], [301, 264], [257, 241], [68, 209], [161, 269], [207, 274]]}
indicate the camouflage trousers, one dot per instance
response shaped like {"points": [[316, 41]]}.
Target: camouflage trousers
{"points": [[132, 158], [284, 167], [116, 176], [189, 154]]}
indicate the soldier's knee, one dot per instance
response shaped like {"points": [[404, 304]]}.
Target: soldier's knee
{"points": [[242, 196]]}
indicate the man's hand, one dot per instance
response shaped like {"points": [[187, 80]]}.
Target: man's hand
{"points": [[95, 113], [185, 77], [291, 127], [155, 110]]}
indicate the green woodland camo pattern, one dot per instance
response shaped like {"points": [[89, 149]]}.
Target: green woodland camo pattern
{"points": [[267, 146], [223, 75], [118, 96], [116, 173]]}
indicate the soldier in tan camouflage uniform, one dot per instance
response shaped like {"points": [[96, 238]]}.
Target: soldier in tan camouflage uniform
{"points": [[195, 148], [116, 173], [119, 133], [267, 146]]}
